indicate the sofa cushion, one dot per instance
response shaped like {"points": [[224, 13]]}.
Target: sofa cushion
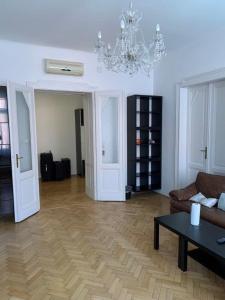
{"points": [[210, 185], [213, 215]]}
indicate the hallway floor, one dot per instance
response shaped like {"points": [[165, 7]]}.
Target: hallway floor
{"points": [[76, 248]]}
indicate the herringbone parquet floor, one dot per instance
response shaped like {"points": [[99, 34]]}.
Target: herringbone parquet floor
{"points": [[75, 248]]}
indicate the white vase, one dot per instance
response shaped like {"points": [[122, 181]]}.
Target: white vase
{"points": [[195, 214]]}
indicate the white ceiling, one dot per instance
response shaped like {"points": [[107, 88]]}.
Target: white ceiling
{"points": [[74, 23]]}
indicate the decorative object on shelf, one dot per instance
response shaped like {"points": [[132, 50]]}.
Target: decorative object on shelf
{"points": [[195, 214], [130, 53], [138, 141], [144, 142]]}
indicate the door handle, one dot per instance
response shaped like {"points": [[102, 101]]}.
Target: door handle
{"points": [[18, 158], [205, 150]]}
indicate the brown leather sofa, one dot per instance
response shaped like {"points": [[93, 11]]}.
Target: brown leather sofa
{"points": [[210, 186]]}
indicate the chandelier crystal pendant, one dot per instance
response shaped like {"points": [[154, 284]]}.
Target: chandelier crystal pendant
{"points": [[130, 53]]}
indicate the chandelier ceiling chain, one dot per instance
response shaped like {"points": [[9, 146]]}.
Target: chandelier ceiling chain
{"points": [[130, 53]]}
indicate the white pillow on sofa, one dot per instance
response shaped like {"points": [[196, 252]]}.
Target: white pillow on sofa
{"points": [[221, 203], [198, 198], [209, 202]]}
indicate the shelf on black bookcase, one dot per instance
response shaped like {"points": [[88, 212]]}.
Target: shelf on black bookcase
{"points": [[148, 112], [148, 158], [142, 112], [148, 173], [152, 143], [148, 128]]}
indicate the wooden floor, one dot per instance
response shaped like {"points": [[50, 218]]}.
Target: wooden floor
{"points": [[76, 248]]}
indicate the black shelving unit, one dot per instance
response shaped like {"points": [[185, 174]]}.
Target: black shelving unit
{"points": [[144, 136], [79, 122], [6, 187]]}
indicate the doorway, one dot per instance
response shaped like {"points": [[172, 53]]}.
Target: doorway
{"points": [[105, 178], [60, 133], [104, 126]]}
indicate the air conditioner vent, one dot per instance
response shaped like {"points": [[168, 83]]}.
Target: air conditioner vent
{"points": [[62, 67]]}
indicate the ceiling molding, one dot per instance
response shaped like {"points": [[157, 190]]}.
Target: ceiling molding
{"points": [[214, 75]]}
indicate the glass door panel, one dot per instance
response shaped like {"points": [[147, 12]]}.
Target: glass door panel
{"points": [[24, 136], [109, 128]]}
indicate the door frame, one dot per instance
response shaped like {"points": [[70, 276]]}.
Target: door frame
{"points": [[66, 86], [76, 87], [181, 119]]}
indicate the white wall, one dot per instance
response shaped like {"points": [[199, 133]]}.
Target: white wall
{"points": [[56, 124], [24, 62], [205, 55]]}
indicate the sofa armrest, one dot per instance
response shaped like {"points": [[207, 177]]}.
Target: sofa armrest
{"points": [[184, 194]]}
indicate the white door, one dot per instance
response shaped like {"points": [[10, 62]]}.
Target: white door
{"points": [[110, 145], [23, 151], [197, 131], [217, 128]]}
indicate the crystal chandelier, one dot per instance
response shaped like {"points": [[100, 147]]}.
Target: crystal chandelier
{"points": [[130, 53]]}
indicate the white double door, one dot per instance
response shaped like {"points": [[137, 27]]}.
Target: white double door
{"points": [[105, 127], [206, 129]]}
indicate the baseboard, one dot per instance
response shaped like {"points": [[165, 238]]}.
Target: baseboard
{"points": [[162, 192]]}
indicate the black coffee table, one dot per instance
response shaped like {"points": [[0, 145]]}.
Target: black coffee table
{"points": [[204, 236]]}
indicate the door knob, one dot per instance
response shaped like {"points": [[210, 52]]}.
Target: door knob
{"points": [[18, 158], [205, 150]]}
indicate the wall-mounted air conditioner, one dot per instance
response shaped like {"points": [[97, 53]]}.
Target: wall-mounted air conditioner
{"points": [[64, 67]]}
